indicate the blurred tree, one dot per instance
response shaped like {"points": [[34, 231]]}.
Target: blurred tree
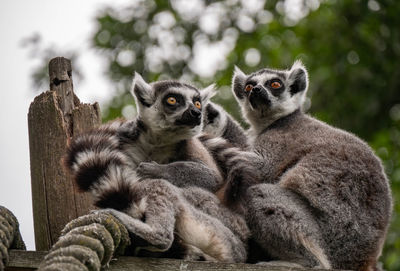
{"points": [[42, 54], [351, 48], [387, 145], [347, 45]]}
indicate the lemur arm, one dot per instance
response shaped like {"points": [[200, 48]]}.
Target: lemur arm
{"points": [[182, 174], [240, 168], [243, 172], [157, 229]]}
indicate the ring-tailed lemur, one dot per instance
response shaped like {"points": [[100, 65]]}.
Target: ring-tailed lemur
{"points": [[225, 139], [169, 118], [323, 198], [222, 136], [218, 123], [160, 143]]}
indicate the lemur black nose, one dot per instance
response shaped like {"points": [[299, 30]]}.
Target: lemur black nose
{"points": [[195, 113], [256, 89]]}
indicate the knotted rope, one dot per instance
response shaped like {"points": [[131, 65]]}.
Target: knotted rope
{"points": [[87, 243], [10, 236]]}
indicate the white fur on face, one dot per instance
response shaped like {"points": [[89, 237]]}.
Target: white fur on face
{"points": [[162, 124], [279, 107], [216, 128]]}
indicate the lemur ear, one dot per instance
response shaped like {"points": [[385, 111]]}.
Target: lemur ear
{"points": [[207, 93], [142, 91], [238, 81], [298, 78]]}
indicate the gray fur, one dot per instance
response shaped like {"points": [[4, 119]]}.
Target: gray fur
{"points": [[323, 198], [226, 140], [159, 143], [121, 164], [210, 204], [218, 123], [171, 149], [162, 211]]}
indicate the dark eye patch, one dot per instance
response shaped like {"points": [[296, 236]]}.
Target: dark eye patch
{"points": [[275, 91], [211, 113], [250, 82], [196, 99], [180, 101]]}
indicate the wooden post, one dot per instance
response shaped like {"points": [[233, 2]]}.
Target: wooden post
{"points": [[54, 117]]}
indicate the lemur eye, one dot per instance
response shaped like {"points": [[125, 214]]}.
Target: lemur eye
{"points": [[276, 84], [197, 104], [171, 100], [248, 88]]}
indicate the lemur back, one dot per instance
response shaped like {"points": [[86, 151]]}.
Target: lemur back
{"points": [[323, 198]]}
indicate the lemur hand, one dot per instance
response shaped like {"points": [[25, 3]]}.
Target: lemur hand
{"points": [[150, 170], [239, 179]]}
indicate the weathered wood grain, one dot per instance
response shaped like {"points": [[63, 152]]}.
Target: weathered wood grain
{"points": [[25, 260], [30, 260], [54, 117], [60, 73]]}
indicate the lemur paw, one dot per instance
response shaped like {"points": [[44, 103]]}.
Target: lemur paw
{"points": [[149, 170], [239, 179]]}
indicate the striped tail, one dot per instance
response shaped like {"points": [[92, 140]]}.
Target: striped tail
{"points": [[99, 166]]}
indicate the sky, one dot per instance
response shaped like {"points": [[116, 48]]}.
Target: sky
{"points": [[63, 24]]}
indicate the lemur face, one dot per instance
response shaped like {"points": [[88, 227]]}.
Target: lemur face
{"points": [[171, 105], [270, 94], [214, 119]]}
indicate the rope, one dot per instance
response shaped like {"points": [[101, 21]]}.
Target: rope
{"points": [[10, 236], [87, 243]]}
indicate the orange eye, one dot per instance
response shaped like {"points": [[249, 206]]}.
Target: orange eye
{"points": [[276, 84], [197, 104], [248, 88], [171, 100]]}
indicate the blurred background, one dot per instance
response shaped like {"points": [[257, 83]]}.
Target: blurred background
{"points": [[350, 47]]}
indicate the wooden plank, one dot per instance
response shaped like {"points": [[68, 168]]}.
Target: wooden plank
{"points": [[144, 264], [54, 117], [25, 260], [30, 260], [52, 196]]}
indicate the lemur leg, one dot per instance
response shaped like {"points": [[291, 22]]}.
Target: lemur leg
{"points": [[210, 204], [182, 174], [211, 236], [158, 229], [284, 226]]}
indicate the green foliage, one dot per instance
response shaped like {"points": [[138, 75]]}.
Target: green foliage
{"points": [[351, 48], [387, 145]]}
